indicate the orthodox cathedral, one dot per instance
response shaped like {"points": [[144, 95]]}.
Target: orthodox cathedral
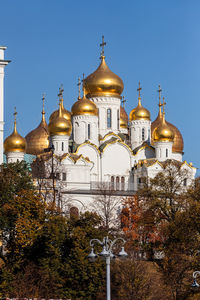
{"points": [[96, 145]]}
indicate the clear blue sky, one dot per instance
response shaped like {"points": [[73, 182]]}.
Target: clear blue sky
{"points": [[54, 41]]}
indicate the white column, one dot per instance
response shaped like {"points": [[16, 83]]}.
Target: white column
{"points": [[3, 63]]}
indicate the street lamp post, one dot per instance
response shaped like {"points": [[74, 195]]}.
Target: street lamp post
{"points": [[106, 253]]}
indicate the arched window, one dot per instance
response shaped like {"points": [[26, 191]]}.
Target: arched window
{"points": [[118, 119], [89, 131], [74, 212], [117, 183], [166, 152], [62, 146], [112, 183], [143, 131], [109, 118], [122, 184], [185, 182]]}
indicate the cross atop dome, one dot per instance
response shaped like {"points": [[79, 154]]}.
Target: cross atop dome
{"points": [[102, 46], [79, 88], [15, 115], [139, 89], [61, 90], [163, 105], [123, 101]]}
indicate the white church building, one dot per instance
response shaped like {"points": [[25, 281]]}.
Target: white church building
{"points": [[95, 144]]}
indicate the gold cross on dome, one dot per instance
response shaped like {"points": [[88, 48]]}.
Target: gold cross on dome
{"points": [[79, 87], [163, 105], [139, 89], [61, 90], [159, 91], [15, 114], [43, 99], [102, 46], [123, 101]]}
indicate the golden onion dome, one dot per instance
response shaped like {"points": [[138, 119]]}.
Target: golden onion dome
{"points": [[84, 106], [65, 112], [38, 139], [59, 125], [15, 142], [163, 133], [139, 113], [123, 118], [178, 143], [103, 82]]}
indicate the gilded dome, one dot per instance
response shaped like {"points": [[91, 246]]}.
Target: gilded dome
{"points": [[84, 106], [139, 113], [163, 133], [123, 118], [178, 143], [103, 82], [65, 112], [15, 142], [59, 125], [38, 139]]}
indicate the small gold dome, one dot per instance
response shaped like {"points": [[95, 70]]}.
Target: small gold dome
{"points": [[123, 118], [84, 106], [38, 139], [65, 112], [103, 82], [59, 125], [163, 133], [178, 143], [15, 142], [139, 113]]}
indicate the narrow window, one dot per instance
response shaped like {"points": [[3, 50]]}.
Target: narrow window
{"points": [[64, 176], [109, 118], [166, 152], [122, 184], [139, 180], [89, 131], [62, 146], [58, 176], [117, 183], [185, 182], [143, 137], [118, 119], [112, 183], [149, 135]]}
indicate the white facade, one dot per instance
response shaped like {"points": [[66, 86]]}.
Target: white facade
{"points": [[61, 144], [3, 63], [13, 157]]}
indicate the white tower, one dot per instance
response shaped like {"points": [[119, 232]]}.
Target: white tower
{"points": [[3, 63], [60, 130], [85, 120], [140, 124], [104, 88], [163, 139], [15, 145]]}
